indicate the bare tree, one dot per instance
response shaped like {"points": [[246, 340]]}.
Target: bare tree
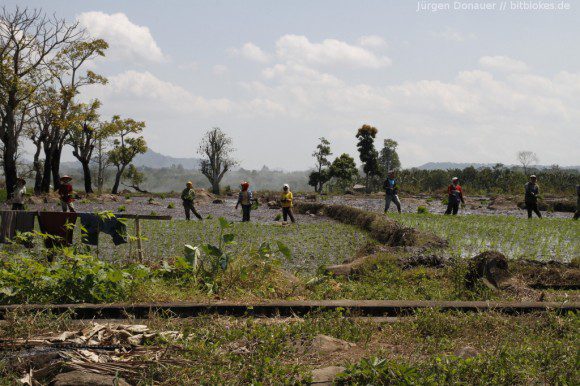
{"points": [[28, 39], [527, 158], [101, 161], [216, 149]]}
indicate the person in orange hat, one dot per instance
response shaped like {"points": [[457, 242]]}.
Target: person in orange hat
{"points": [[245, 200], [65, 192]]}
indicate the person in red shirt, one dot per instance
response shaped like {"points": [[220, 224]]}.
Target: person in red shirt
{"points": [[66, 194], [455, 196]]}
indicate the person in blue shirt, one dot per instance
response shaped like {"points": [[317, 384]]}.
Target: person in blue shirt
{"points": [[391, 192]]}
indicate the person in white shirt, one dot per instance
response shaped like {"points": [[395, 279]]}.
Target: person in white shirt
{"points": [[19, 194]]}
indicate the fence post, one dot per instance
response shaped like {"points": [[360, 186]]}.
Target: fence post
{"points": [[139, 243]]}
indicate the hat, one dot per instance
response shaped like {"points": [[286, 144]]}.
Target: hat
{"points": [[189, 183], [66, 177], [20, 179], [286, 186], [454, 179], [533, 176]]}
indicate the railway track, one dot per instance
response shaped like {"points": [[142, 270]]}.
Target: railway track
{"points": [[364, 308]]}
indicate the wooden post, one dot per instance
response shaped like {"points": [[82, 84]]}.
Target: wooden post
{"points": [[138, 235]]}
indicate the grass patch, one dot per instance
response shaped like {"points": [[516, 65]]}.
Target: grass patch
{"points": [[545, 239], [533, 349]]}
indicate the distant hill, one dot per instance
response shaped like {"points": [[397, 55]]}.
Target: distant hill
{"points": [[155, 160], [463, 165], [450, 165]]}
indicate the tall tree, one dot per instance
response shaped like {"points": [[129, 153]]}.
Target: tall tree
{"points": [[68, 78], [321, 175], [367, 152], [126, 145], [527, 158], [83, 135], [343, 168], [216, 149], [28, 41], [389, 158]]}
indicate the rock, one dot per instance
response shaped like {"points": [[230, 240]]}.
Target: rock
{"points": [[326, 375], [490, 266], [348, 269], [82, 378], [218, 201], [327, 344], [467, 352], [273, 205]]}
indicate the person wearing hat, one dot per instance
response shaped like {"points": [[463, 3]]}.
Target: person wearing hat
{"points": [[391, 192], [532, 191], [19, 194], [245, 198], [286, 200], [188, 197], [65, 192], [455, 196]]}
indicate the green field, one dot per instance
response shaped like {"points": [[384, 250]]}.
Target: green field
{"points": [[545, 239], [312, 245]]}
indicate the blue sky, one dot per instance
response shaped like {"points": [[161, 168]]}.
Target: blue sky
{"points": [[464, 86]]}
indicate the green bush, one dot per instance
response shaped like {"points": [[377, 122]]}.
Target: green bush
{"points": [[3, 195], [422, 210], [72, 278], [121, 208], [171, 205]]}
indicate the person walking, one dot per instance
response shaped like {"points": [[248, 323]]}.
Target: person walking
{"points": [[455, 196], [19, 194], [188, 197], [532, 191], [65, 192], [245, 198], [391, 192], [287, 202]]}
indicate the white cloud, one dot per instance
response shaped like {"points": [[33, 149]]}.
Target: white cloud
{"points": [[372, 41], [453, 35], [503, 63], [136, 91], [189, 66], [298, 49], [219, 69], [250, 51], [127, 41]]}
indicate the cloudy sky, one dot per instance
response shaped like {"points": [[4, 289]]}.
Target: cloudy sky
{"points": [[452, 85]]}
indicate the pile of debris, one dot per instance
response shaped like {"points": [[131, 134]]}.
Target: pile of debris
{"points": [[95, 354]]}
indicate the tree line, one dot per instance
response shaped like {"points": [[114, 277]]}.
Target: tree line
{"points": [[342, 173], [42, 73]]}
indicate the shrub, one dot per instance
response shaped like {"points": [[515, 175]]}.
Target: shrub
{"points": [[422, 210], [121, 208], [171, 205], [73, 278]]}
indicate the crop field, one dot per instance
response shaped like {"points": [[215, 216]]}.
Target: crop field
{"points": [[545, 239], [312, 245]]}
